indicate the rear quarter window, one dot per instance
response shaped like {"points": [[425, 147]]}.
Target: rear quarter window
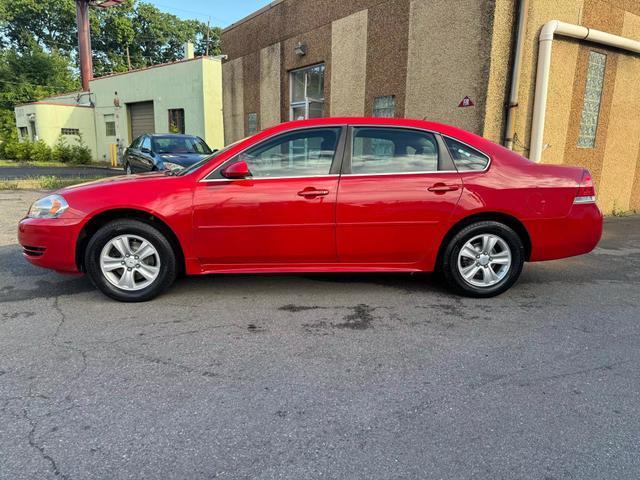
{"points": [[466, 158]]}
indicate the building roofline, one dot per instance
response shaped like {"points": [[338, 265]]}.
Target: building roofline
{"points": [[252, 15], [159, 65], [66, 94], [54, 103]]}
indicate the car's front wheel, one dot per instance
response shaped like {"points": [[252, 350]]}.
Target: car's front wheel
{"points": [[484, 259], [130, 261]]}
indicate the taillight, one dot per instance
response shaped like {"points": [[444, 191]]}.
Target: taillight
{"points": [[586, 191]]}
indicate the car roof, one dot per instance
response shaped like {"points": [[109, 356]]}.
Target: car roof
{"points": [[176, 135], [447, 130]]}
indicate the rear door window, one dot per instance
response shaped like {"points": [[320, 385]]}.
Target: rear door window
{"points": [[393, 150], [465, 158]]}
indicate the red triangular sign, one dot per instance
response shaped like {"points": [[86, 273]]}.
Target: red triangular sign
{"points": [[466, 102]]}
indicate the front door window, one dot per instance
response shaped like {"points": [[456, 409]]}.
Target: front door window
{"points": [[304, 153], [307, 93]]}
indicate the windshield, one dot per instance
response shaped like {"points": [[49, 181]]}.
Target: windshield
{"points": [[175, 144], [206, 160]]}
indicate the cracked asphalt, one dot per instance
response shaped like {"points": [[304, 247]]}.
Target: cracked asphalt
{"points": [[323, 376]]}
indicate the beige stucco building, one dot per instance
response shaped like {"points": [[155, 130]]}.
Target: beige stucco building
{"points": [[422, 58], [183, 96]]}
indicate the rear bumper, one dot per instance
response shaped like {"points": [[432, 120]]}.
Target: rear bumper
{"points": [[575, 234], [50, 243]]}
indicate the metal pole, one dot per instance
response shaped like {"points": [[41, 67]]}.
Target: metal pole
{"points": [[128, 58], [206, 53], [84, 42]]}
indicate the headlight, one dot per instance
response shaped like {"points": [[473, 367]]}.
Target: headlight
{"points": [[173, 167], [51, 206]]}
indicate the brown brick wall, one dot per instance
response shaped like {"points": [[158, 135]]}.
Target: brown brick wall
{"points": [[387, 45]]}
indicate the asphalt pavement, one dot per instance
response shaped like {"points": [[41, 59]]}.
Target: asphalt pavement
{"points": [[21, 171], [323, 376]]}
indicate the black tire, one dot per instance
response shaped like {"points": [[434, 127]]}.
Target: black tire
{"points": [[165, 276], [451, 271]]}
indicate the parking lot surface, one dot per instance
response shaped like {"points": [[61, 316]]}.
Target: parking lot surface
{"points": [[18, 172], [323, 376]]}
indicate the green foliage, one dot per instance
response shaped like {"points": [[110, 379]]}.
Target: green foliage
{"points": [[38, 47], [23, 151], [62, 151], [9, 145], [78, 154], [26, 151], [40, 152]]}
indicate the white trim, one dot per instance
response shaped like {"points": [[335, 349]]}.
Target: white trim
{"points": [[429, 172], [331, 175]]}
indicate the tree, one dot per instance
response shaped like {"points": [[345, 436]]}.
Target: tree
{"points": [[38, 46]]}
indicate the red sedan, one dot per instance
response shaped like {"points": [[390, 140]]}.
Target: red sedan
{"points": [[324, 195]]}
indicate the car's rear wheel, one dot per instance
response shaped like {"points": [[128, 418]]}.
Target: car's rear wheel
{"points": [[130, 261], [484, 259]]}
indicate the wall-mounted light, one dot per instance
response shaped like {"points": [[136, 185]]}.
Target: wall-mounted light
{"points": [[300, 49]]}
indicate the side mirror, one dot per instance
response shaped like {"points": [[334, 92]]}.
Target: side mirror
{"points": [[236, 170], [146, 150]]}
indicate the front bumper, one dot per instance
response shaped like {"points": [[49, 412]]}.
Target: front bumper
{"points": [[576, 234], [50, 243]]}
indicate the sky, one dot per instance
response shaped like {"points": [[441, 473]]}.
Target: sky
{"points": [[222, 13]]}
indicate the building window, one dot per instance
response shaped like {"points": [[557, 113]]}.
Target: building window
{"points": [[176, 120], [110, 125], [70, 131], [34, 132], [24, 132], [307, 93], [592, 98], [384, 106], [252, 123]]}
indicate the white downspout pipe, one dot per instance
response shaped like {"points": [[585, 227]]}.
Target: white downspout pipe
{"points": [[549, 30]]}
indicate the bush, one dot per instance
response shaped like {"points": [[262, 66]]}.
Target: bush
{"points": [[23, 151], [9, 145], [62, 151], [10, 149], [41, 152], [79, 154]]}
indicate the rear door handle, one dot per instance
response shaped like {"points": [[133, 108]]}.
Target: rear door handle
{"points": [[311, 192], [442, 188]]}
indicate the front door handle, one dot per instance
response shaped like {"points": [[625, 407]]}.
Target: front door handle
{"points": [[442, 188], [311, 192]]}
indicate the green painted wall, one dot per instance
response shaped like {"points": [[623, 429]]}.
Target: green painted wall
{"points": [[50, 118], [194, 85]]}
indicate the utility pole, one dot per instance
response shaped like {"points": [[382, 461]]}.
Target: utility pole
{"points": [[206, 52], [84, 43], [84, 36], [128, 58]]}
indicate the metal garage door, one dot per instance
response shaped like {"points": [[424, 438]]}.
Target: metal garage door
{"points": [[141, 118]]}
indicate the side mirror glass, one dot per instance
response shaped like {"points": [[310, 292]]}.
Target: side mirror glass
{"points": [[236, 170]]}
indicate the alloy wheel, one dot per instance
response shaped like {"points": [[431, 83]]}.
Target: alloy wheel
{"points": [[130, 262], [484, 260]]}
